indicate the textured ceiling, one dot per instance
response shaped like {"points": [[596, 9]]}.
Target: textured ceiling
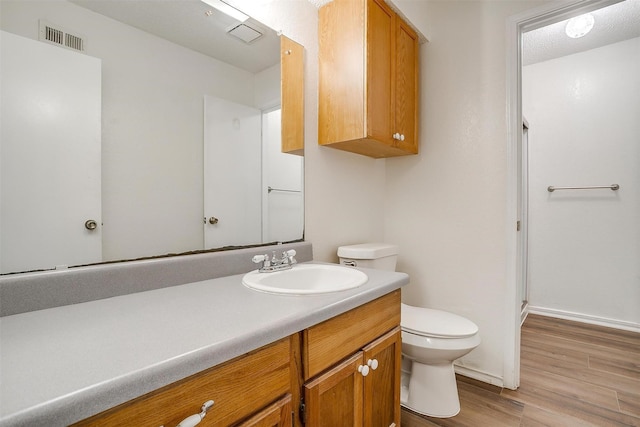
{"points": [[613, 24], [188, 24], [185, 22]]}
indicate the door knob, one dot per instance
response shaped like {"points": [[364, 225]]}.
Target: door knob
{"points": [[213, 220], [90, 224]]}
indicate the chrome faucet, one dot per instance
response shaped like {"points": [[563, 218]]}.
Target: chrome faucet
{"points": [[275, 264]]}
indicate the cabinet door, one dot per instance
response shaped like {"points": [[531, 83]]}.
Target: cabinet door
{"points": [[406, 87], [382, 385], [380, 57], [292, 96], [277, 414], [335, 398]]}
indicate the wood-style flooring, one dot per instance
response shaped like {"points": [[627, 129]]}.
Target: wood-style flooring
{"points": [[572, 374]]}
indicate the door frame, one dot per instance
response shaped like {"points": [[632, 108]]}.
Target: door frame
{"points": [[516, 26]]}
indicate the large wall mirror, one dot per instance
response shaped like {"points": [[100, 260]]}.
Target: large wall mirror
{"points": [[139, 128]]}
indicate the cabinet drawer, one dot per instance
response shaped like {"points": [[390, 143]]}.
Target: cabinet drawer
{"points": [[331, 341], [239, 388]]}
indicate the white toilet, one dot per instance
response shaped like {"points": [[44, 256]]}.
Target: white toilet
{"points": [[431, 341]]}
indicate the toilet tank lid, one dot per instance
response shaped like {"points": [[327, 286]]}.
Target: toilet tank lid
{"points": [[436, 323], [368, 251]]}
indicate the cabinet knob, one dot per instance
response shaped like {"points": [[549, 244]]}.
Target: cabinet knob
{"points": [[364, 370], [396, 136], [402, 137], [373, 364]]}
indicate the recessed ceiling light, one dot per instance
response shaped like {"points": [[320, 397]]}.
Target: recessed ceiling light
{"points": [[227, 9], [579, 26]]}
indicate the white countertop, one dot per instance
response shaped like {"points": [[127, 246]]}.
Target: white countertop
{"points": [[64, 364]]}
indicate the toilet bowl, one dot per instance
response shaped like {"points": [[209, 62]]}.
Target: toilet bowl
{"points": [[431, 341]]}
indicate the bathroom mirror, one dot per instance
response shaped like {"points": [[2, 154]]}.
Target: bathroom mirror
{"points": [[155, 85]]}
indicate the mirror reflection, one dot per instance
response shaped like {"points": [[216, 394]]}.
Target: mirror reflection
{"points": [[136, 128]]}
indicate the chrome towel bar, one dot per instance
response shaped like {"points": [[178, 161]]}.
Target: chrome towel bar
{"points": [[270, 189], [613, 187]]}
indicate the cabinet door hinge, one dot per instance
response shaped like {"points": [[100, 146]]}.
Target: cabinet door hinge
{"points": [[517, 225], [303, 412]]}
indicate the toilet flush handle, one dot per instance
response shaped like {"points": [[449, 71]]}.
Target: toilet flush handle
{"points": [[373, 364]]}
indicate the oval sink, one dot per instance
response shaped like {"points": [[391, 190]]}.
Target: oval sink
{"points": [[305, 279]]}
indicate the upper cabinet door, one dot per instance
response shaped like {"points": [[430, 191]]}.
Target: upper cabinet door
{"points": [[406, 87], [380, 64], [368, 83], [292, 96]]}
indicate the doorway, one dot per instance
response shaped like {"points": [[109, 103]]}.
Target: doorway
{"points": [[583, 103], [516, 27]]}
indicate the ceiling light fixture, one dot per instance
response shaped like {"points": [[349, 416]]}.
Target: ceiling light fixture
{"points": [[579, 26], [227, 9]]}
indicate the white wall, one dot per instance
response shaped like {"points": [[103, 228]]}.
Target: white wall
{"points": [[144, 213], [446, 207], [583, 112], [267, 88]]}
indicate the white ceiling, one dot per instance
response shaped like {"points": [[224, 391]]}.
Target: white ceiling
{"points": [[613, 24], [185, 22], [188, 24]]}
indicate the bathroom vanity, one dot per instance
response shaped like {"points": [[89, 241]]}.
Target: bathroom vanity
{"points": [[155, 357]]}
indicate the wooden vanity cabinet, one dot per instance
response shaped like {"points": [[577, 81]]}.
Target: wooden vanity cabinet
{"points": [[368, 82], [348, 391], [250, 384], [278, 414], [263, 388]]}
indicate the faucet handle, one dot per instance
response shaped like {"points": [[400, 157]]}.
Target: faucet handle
{"points": [[290, 255], [262, 258]]}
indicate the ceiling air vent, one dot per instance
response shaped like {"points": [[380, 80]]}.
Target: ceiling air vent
{"points": [[55, 35], [245, 33]]}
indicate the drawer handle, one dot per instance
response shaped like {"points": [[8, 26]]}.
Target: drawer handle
{"points": [[195, 419], [373, 364], [364, 370]]}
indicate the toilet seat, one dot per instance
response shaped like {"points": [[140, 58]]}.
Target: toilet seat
{"points": [[435, 323]]}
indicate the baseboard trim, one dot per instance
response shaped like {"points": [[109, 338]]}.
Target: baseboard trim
{"points": [[585, 318], [485, 377]]}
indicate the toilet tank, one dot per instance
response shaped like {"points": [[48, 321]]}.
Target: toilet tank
{"points": [[381, 256]]}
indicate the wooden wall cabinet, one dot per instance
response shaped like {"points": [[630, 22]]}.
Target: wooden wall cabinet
{"points": [[368, 82], [362, 389], [292, 96]]}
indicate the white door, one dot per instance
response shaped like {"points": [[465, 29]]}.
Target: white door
{"points": [[282, 177], [49, 157], [232, 202]]}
